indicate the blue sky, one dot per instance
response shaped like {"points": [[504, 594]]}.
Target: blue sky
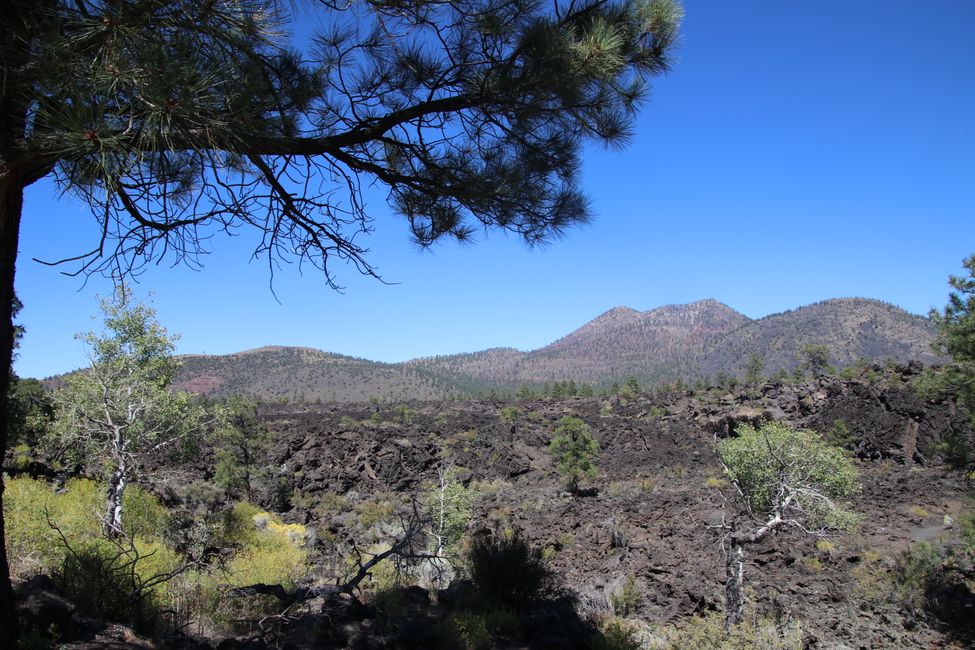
{"points": [[798, 151]]}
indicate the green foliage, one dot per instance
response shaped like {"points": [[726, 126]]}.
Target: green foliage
{"points": [[708, 633], [509, 414], [913, 572], [791, 473], [30, 412], [121, 407], [925, 563], [955, 448], [242, 442], [464, 630], [121, 582], [274, 553], [814, 358], [33, 546], [507, 572], [628, 599], [956, 338], [448, 504], [839, 435], [753, 369], [373, 511], [404, 414], [631, 388], [616, 634], [575, 450]]}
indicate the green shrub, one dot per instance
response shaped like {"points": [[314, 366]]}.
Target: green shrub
{"points": [[375, 510], [839, 435], [707, 633], [628, 599], [464, 630], [507, 572], [268, 551], [616, 634], [501, 621], [404, 414], [120, 582], [913, 572], [509, 414], [31, 506], [265, 551]]}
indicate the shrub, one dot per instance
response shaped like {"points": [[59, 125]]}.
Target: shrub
{"points": [[265, 551], [125, 583], [707, 633], [616, 634], [404, 414], [34, 546], [839, 435], [509, 414], [465, 630], [629, 598], [373, 511], [507, 572]]}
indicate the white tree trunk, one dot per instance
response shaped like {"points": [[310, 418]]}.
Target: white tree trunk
{"points": [[116, 489], [734, 592]]}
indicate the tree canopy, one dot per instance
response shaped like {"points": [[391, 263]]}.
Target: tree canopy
{"points": [[175, 119]]}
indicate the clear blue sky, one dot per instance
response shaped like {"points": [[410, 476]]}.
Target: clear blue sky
{"points": [[798, 151]]}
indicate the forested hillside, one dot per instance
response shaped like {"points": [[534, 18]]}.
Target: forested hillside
{"points": [[699, 340]]}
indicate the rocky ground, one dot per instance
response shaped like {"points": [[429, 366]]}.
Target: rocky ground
{"points": [[645, 520]]}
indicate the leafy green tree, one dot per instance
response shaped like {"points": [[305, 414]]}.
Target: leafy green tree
{"points": [[30, 411], [178, 119], [242, 443], [448, 505], [782, 477], [121, 408], [575, 450], [814, 358]]}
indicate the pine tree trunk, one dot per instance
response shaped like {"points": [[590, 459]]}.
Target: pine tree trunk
{"points": [[11, 205], [734, 581], [18, 21]]}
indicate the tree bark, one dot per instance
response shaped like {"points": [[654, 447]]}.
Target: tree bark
{"points": [[116, 492], [11, 205], [734, 606]]}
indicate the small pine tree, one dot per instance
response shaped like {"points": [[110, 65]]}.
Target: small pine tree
{"points": [[631, 388], [753, 369], [814, 358], [575, 451], [956, 338]]}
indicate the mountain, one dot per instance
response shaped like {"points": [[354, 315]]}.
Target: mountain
{"points": [[304, 374], [616, 344], [675, 341], [850, 328]]}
